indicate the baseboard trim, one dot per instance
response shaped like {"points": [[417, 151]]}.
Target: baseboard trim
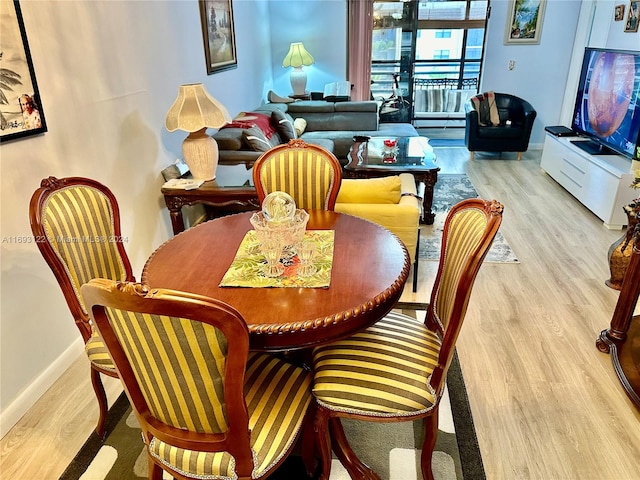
{"points": [[32, 393]]}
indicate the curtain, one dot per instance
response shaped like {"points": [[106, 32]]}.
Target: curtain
{"points": [[359, 48]]}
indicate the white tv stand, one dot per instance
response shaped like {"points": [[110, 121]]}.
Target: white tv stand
{"points": [[600, 182]]}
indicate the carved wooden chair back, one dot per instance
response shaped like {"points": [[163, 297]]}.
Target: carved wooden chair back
{"points": [[207, 408], [396, 369], [309, 173], [76, 226]]}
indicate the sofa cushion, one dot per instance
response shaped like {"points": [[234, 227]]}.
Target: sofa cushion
{"points": [[315, 106], [253, 119], [370, 190], [343, 139], [284, 125], [256, 139], [369, 106], [229, 139]]}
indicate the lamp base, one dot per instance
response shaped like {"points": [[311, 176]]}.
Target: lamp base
{"points": [[298, 80], [200, 153]]}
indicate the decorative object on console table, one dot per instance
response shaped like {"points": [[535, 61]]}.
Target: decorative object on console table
{"points": [[194, 111], [297, 58], [619, 254], [20, 108], [218, 35]]}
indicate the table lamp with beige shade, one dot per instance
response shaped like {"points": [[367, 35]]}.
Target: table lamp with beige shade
{"points": [[194, 111], [297, 58]]}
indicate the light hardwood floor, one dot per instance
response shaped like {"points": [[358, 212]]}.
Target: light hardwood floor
{"points": [[546, 404]]}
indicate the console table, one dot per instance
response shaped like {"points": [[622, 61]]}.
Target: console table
{"points": [[622, 338], [599, 182], [232, 191]]}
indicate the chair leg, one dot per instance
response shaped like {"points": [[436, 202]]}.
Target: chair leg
{"points": [[323, 441], [519, 156], [308, 442], [356, 468], [101, 395], [155, 472], [472, 155], [415, 265], [430, 437]]}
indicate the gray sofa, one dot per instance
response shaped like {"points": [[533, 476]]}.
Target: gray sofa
{"points": [[331, 125]]}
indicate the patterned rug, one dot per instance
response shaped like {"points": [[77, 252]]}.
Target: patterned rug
{"points": [[390, 449], [449, 190]]}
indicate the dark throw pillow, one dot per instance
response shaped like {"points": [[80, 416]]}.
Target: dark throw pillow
{"points": [[284, 125], [256, 139]]}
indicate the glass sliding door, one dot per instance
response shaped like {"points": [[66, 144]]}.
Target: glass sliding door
{"points": [[392, 49], [428, 45]]}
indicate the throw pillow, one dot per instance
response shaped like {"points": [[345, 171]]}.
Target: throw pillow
{"points": [[370, 190], [253, 119], [256, 139], [284, 125], [299, 125], [435, 100], [485, 104], [456, 99]]}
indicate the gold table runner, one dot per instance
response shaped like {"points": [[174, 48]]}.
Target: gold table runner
{"points": [[246, 268]]}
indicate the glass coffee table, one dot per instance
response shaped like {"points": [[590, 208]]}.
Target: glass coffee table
{"points": [[374, 158]]}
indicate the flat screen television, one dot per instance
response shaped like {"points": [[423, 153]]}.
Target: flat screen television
{"points": [[607, 109]]}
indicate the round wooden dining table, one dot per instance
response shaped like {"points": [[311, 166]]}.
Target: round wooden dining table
{"points": [[369, 269]]}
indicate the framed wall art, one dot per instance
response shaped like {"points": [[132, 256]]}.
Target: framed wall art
{"points": [[633, 17], [21, 112], [618, 13], [524, 22], [218, 34]]}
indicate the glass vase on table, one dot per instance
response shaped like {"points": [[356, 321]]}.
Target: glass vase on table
{"points": [[271, 248], [306, 250]]}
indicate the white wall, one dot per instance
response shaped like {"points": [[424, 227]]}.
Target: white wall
{"points": [[107, 72], [540, 72], [546, 74], [322, 26]]}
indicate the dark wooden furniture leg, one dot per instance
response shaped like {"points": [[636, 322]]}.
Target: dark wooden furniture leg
{"points": [[622, 338], [343, 451], [174, 204], [429, 180]]}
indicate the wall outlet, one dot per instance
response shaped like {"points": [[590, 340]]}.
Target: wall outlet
{"points": [[512, 64]]}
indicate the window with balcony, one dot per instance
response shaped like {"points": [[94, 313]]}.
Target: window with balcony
{"points": [[427, 42]]}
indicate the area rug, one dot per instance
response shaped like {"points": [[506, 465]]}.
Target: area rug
{"points": [[446, 142], [449, 190], [392, 450]]}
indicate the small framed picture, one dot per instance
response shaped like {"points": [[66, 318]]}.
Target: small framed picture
{"points": [[619, 13], [631, 24], [524, 22]]}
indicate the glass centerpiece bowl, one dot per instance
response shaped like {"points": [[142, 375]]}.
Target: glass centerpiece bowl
{"points": [[279, 226]]}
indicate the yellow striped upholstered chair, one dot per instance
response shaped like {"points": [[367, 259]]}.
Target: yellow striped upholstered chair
{"points": [[207, 407], [396, 369], [309, 173], [76, 225]]}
